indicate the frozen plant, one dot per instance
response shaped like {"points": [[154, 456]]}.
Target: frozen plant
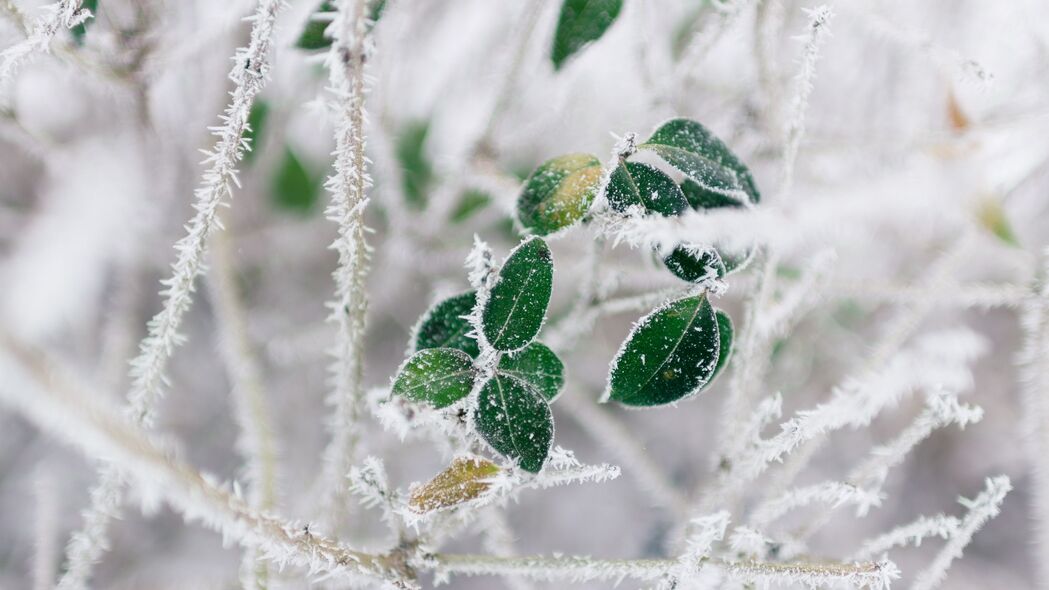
{"points": [[661, 295]]}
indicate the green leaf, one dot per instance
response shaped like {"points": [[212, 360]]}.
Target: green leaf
{"points": [[700, 198], [689, 265], [416, 170], [581, 22], [538, 366], [559, 193], [634, 183], [725, 336], [691, 148], [470, 202], [80, 30], [312, 37], [260, 111], [515, 421], [992, 217], [443, 325], [516, 306], [438, 376], [671, 353], [294, 188]]}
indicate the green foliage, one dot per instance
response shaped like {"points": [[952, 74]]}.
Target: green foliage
{"points": [[438, 376], [692, 266], [515, 420], [559, 193], [671, 354], [257, 117], [470, 202], [581, 22], [313, 37], [692, 149], [726, 335], [634, 183], [416, 170], [537, 366], [80, 30], [444, 325], [294, 188], [516, 306]]}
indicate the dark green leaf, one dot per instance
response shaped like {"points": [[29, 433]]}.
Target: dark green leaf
{"points": [[726, 335], [438, 376], [701, 198], [559, 193], [312, 37], [516, 306], [416, 170], [253, 134], [377, 8], [634, 183], [692, 266], [443, 325], [470, 202], [538, 366], [581, 22], [671, 353], [294, 188], [515, 420], [80, 30], [691, 148]]}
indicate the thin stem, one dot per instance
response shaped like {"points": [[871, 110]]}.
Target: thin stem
{"points": [[348, 184]]}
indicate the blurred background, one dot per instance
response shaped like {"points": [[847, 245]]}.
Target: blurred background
{"points": [[926, 128]]}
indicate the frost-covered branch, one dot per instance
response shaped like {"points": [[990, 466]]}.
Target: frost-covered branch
{"points": [[909, 534], [346, 61], [1034, 360], [875, 575], [64, 14], [45, 394], [251, 409], [980, 510], [148, 368], [817, 33]]}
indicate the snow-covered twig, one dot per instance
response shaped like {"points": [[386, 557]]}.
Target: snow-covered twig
{"points": [[980, 509], [817, 33], [64, 14], [248, 74], [831, 493], [909, 534], [251, 408], [46, 394], [346, 61], [1034, 360]]}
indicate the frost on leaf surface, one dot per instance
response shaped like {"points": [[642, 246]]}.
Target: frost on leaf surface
{"points": [[634, 183], [726, 335], [464, 480], [516, 305], [515, 420], [671, 354], [581, 22], [439, 376], [559, 193], [444, 325], [691, 264], [538, 366], [691, 148]]}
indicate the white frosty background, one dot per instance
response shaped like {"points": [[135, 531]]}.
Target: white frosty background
{"points": [[887, 180]]}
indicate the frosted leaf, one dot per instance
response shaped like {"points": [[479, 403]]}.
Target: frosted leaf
{"points": [[634, 183], [439, 376], [515, 420], [559, 193], [444, 325], [538, 366], [691, 148], [464, 480], [671, 354], [516, 306]]}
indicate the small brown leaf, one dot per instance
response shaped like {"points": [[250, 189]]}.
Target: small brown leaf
{"points": [[464, 480], [955, 115]]}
